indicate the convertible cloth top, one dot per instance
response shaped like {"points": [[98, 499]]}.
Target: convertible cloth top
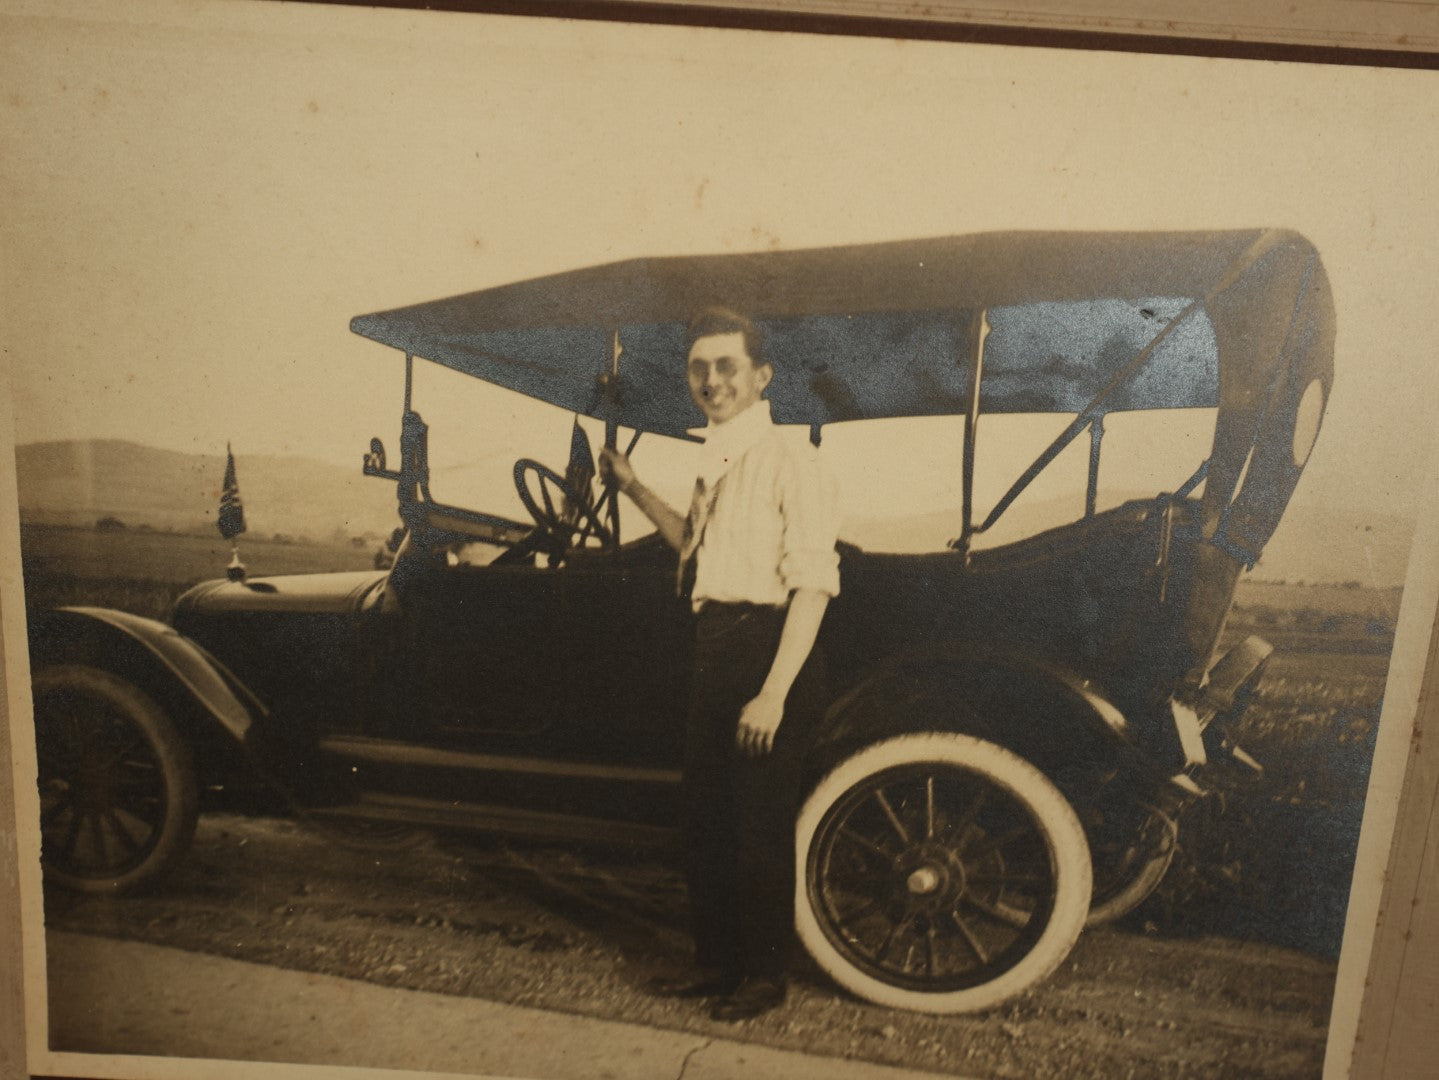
{"points": [[1075, 322], [876, 330]]}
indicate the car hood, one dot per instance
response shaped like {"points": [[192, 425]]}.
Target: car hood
{"points": [[317, 593]]}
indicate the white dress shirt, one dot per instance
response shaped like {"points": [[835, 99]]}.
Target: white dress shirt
{"points": [[773, 515]]}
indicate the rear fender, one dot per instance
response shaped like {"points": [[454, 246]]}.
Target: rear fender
{"points": [[1046, 713], [191, 685]]}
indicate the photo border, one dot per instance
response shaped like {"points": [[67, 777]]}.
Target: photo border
{"points": [[1386, 833]]}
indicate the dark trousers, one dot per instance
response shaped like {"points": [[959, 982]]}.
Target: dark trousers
{"points": [[740, 811]]}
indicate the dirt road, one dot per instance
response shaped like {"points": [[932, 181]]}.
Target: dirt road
{"points": [[581, 932]]}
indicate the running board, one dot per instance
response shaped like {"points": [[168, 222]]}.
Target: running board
{"points": [[384, 751], [509, 821]]}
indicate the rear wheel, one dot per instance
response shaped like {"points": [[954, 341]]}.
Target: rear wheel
{"points": [[1130, 859], [118, 795], [942, 873]]}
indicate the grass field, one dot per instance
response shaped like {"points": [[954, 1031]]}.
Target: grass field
{"points": [[1317, 618], [142, 572], [1271, 857], [1335, 599]]}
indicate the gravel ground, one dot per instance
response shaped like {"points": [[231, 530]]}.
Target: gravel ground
{"points": [[581, 932]]}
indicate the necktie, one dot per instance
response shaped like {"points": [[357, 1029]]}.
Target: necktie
{"points": [[701, 506]]}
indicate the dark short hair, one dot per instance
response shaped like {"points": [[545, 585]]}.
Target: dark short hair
{"points": [[723, 320]]}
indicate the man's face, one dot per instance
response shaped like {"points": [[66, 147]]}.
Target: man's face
{"points": [[723, 378]]}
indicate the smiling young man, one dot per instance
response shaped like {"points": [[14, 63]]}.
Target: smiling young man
{"points": [[760, 538]]}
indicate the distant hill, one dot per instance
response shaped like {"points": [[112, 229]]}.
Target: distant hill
{"points": [[78, 482], [1324, 544], [1313, 544]]}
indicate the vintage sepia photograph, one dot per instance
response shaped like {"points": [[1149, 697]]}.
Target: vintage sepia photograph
{"points": [[564, 549]]}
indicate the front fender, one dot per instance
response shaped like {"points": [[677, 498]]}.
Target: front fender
{"points": [[1044, 712], [152, 655]]}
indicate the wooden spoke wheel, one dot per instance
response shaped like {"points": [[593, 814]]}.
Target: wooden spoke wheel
{"points": [[942, 873], [118, 795]]}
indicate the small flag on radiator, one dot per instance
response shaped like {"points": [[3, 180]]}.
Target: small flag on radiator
{"points": [[232, 510]]}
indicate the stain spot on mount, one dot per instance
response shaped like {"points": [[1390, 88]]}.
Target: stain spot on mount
{"points": [[765, 236]]}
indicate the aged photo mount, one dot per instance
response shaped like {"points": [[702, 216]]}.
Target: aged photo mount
{"points": [[209, 194]]}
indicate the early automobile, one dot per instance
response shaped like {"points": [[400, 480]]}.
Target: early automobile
{"points": [[1013, 728]]}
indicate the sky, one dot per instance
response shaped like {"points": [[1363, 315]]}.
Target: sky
{"points": [[199, 196]]}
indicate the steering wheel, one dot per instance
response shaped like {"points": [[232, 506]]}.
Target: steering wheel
{"points": [[565, 530]]}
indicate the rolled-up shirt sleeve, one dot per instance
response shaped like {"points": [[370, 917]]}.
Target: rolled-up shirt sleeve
{"points": [[809, 507]]}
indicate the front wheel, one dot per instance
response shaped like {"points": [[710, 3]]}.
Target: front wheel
{"points": [[941, 873], [118, 795]]}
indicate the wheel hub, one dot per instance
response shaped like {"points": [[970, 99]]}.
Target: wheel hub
{"points": [[929, 878], [923, 881]]}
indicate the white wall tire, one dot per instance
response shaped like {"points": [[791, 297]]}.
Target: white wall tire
{"points": [[939, 873]]}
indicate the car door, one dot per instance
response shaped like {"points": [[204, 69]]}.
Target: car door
{"points": [[630, 639], [529, 694], [485, 650]]}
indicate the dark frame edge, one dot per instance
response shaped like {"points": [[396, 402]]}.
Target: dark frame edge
{"points": [[660, 12]]}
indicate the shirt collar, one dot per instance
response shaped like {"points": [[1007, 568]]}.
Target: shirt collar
{"points": [[726, 443]]}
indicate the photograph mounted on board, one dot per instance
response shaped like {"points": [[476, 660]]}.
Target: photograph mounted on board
{"points": [[794, 568]]}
